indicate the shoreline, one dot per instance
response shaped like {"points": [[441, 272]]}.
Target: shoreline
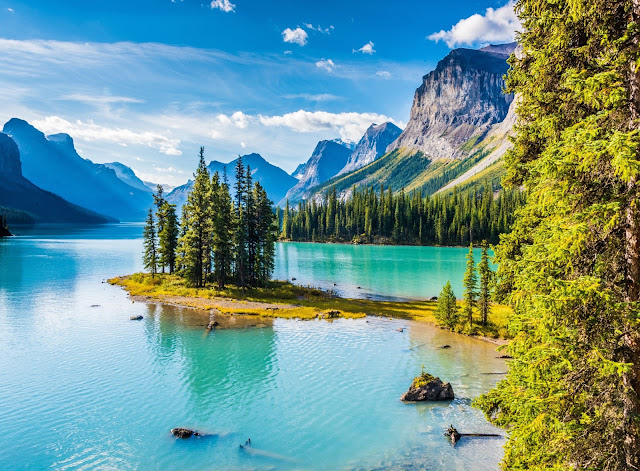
{"points": [[288, 301]]}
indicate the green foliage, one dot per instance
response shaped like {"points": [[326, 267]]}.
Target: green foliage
{"points": [[486, 277], [368, 216], [470, 282], [447, 313], [571, 265], [150, 257]]}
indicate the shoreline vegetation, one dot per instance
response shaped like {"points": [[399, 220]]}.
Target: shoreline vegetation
{"points": [[283, 299]]}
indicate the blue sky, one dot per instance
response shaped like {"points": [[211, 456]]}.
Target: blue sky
{"points": [[147, 82]]}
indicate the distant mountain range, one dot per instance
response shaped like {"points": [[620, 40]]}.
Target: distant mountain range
{"points": [[457, 133], [23, 202], [52, 163], [275, 181]]}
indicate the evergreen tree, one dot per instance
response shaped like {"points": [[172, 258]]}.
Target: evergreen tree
{"points": [[168, 236], [222, 231], [150, 258], [484, 294], [571, 265], [159, 201], [447, 312], [197, 221], [470, 282], [241, 255]]}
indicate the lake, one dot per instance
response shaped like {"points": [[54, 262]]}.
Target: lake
{"points": [[83, 387]]}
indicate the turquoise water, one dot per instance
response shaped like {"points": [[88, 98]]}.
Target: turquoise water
{"points": [[374, 271], [83, 387]]}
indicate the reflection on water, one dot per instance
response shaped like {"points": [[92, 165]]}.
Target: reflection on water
{"points": [[84, 387]]}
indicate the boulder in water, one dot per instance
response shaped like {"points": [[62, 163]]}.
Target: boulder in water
{"points": [[184, 433], [136, 318], [428, 388]]}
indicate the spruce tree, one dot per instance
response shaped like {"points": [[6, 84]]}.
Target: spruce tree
{"points": [[222, 231], [447, 312], [484, 294], [571, 265], [240, 226], [197, 221], [168, 236], [470, 282], [159, 201], [150, 257]]}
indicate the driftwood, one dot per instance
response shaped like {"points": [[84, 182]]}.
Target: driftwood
{"points": [[455, 436]]}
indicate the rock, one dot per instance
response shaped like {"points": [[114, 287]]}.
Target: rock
{"points": [[400, 329], [136, 318], [293, 279], [433, 298], [358, 287], [212, 324], [95, 305], [373, 144], [445, 346], [428, 388], [184, 433], [453, 434]]}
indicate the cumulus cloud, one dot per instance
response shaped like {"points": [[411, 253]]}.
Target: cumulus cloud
{"points": [[319, 28], [296, 36], [383, 74], [366, 49], [351, 126], [89, 131], [496, 25], [224, 5], [327, 65]]}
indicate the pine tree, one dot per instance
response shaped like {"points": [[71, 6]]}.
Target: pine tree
{"points": [[470, 282], [447, 312], [159, 201], [240, 226], [571, 266], [222, 231], [197, 221], [168, 236], [150, 258], [484, 294]]}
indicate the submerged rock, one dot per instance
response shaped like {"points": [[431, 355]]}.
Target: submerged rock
{"points": [[184, 433], [428, 388], [136, 318], [212, 324]]}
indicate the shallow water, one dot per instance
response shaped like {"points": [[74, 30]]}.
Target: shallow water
{"points": [[83, 387]]}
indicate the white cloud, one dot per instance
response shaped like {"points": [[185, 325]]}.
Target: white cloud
{"points": [[351, 126], [497, 25], [10, 9], [99, 99], [89, 131], [224, 5], [366, 49], [286, 53], [243, 145], [314, 97], [296, 36], [319, 28], [327, 65], [383, 74]]}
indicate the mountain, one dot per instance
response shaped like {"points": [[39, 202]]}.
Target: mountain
{"points": [[53, 164], [275, 181], [152, 186], [328, 158], [373, 144], [459, 126], [23, 202], [127, 175]]}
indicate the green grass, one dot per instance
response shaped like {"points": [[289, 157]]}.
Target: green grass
{"points": [[294, 301]]}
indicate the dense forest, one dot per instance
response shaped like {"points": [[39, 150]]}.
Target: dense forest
{"points": [[369, 216], [570, 267], [219, 239]]}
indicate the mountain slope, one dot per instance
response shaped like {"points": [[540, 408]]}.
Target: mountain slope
{"points": [[328, 158], [460, 124], [24, 202], [53, 164], [373, 144], [127, 175], [275, 181]]}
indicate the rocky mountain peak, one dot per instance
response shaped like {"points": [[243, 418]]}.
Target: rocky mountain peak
{"points": [[458, 101], [373, 144]]}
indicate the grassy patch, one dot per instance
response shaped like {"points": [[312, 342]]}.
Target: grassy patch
{"points": [[286, 300]]}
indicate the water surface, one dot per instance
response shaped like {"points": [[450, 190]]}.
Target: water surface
{"points": [[83, 387]]}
